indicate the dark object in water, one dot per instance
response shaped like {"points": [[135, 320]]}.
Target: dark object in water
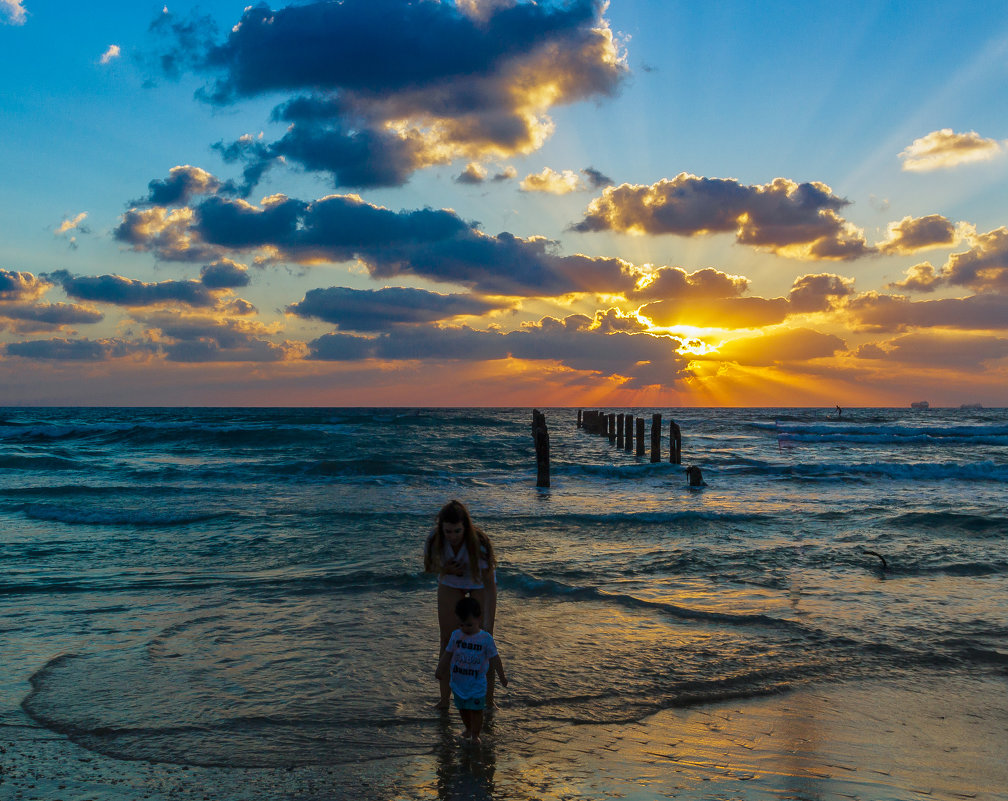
{"points": [[695, 477], [885, 565]]}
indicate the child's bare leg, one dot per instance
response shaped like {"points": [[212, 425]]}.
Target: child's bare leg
{"points": [[476, 725], [466, 716]]}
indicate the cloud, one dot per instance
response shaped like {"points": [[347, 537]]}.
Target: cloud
{"points": [[182, 184], [984, 267], [790, 219], [552, 182], [472, 174], [76, 350], [944, 149], [111, 54], [381, 88], [675, 282], [642, 359], [920, 278], [877, 312], [433, 244], [12, 12], [911, 235], [596, 180], [18, 286], [224, 274], [816, 293], [377, 309], [778, 348], [130, 292], [46, 316], [717, 312], [75, 224], [202, 339], [509, 173], [938, 350]]}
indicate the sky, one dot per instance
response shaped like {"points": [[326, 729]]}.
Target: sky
{"points": [[503, 203]]}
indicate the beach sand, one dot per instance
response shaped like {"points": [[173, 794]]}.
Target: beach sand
{"points": [[943, 738]]}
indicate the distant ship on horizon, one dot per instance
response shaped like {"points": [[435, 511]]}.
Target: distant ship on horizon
{"points": [[922, 405]]}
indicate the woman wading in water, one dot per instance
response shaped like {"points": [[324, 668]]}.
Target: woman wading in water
{"points": [[463, 557]]}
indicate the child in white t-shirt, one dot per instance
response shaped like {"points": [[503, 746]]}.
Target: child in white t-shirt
{"points": [[470, 654]]}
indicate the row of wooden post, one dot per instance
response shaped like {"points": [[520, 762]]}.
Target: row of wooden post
{"points": [[624, 429], [540, 435]]}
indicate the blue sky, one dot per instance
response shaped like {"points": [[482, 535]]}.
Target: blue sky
{"points": [[749, 185]]}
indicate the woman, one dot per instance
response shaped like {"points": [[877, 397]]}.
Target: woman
{"points": [[449, 552]]}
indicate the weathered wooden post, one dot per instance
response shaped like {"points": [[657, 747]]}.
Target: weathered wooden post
{"points": [[628, 422], [655, 437], [580, 419], [611, 428], [541, 436], [620, 426], [675, 443], [640, 436]]}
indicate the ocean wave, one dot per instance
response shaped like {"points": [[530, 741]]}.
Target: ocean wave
{"points": [[143, 516], [977, 525], [40, 463], [538, 587], [899, 471]]}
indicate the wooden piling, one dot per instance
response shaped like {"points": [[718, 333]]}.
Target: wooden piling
{"points": [[620, 430], [628, 423], [640, 436], [675, 443], [541, 437], [580, 423], [655, 437], [611, 428]]}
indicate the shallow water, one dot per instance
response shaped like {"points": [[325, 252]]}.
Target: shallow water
{"points": [[245, 587]]}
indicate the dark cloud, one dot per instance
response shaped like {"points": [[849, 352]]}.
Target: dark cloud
{"points": [[52, 314], [816, 293], [382, 88], [18, 286], [130, 292], [877, 312], [377, 309], [983, 268], [939, 350], [73, 350], [788, 218], [224, 274], [596, 180], [433, 244], [643, 359], [182, 184], [911, 234]]}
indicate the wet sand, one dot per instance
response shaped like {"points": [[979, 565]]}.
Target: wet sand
{"points": [[944, 738]]}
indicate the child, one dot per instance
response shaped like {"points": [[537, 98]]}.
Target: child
{"points": [[471, 652]]}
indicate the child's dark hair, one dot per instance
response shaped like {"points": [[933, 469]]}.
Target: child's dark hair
{"points": [[468, 607]]}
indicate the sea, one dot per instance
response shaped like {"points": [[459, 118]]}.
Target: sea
{"points": [[245, 587]]}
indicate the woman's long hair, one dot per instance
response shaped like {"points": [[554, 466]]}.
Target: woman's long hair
{"points": [[476, 542]]}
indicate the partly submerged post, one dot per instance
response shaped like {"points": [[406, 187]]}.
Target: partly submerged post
{"points": [[620, 430], [640, 436], [611, 428], [580, 419], [541, 436], [628, 422], [655, 437], [675, 443]]}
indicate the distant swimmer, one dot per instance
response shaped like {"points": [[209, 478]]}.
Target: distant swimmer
{"points": [[839, 411], [695, 477]]}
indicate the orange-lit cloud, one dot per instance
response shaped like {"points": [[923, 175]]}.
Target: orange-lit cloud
{"points": [[780, 347], [784, 217], [940, 351], [982, 268], [911, 235], [873, 311], [552, 182], [944, 149]]}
